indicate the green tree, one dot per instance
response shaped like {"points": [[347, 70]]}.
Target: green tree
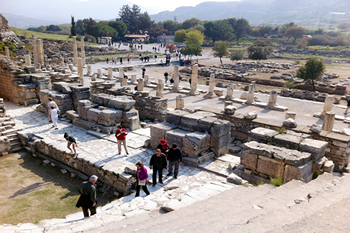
{"points": [[236, 55], [37, 29], [285, 26], [135, 20], [295, 32], [180, 36], [102, 29], [258, 52], [80, 27], [218, 30], [220, 49], [312, 70], [53, 28], [194, 37], [156, 30], [171, 26], [193, 49], [344, 26], [265, 30], [241, 28], [190, 23], [73, 31], [90, 23], [120, 27]]}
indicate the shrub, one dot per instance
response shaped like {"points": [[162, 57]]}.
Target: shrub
{"points": [[276, 181], [289, 84]]}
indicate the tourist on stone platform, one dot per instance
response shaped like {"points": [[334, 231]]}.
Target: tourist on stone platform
{"points": [[347, 108], [88, 199], [163, 146], [158, 163], [143, 72], [175, 158], [166, 76], [141, 179], [107, 60], [120, 134], [73, 142], [128, 58], [121, 60], [51, 103], [54, 116]]}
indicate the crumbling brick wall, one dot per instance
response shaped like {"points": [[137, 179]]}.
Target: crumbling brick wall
{"points": [[7, 74]]}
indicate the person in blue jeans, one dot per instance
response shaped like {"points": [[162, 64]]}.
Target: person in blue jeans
{"points": [[175, 159]]}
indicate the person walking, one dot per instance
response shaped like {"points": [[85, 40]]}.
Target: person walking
{"points": [[158, 163], [166, 76], [120, 134], [141, 179], [128, 58], [121, 60], [163, 146], [49, 104], [54, 116], [71, 141], [348, 106], [143, 72], [88, 199], [175, 159]]}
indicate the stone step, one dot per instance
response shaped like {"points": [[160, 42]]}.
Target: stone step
{"points": [[10, 136], [15, 149], [27, 148], [195, 162], [15, 144], [8, 132], [14, 140]]}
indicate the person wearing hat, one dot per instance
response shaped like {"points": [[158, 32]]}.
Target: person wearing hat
{"points": [[158, 164], [164, 147], [175, 158], [88, 200]]}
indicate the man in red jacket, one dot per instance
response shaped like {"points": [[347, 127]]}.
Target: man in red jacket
{"points": [[120, 134]]}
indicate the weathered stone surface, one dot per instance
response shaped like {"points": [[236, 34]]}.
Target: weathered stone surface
{"points": [[190, 121], [316, 147], [315, 128], [220, 128], [205, 124], [174, 117], [290, 123], [218, 142], [270, 167], [230, 110], [318, 165], [109, 117], [124, 103], [93, 114], [194, 143], [250, 160], [158, 130], [71, 115], [287, 140], [302, 172], [328, 166], [262, 134], [250, 115], [175, 136], [233, 178]]}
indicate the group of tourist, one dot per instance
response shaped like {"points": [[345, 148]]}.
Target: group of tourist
{"points": [[114, 60]]}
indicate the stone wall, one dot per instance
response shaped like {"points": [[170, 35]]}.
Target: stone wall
{"points": [[149, 107], [109, 174], [7, 74], [338, 149]]}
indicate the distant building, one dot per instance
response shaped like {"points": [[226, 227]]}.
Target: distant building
{"points": [[136, 38], [165, 39], [105, 40]]}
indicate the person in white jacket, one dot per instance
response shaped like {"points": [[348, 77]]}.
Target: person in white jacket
{"points": [[54, 116]]}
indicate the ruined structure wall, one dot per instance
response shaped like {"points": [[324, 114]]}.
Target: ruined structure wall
{"points": [[6, 82]]}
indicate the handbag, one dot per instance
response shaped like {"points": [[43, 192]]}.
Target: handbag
{"points": [[142, 182]]}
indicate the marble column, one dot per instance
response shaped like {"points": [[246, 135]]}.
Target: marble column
{"points": [[35, 51], [27, 60], [121, 74], [41, 52], [328, 104], [82, 48], [140, 85], [211, 93], [99, 73], [146, 78], [133, 79], [71, 67], [80, 70], [75, 49], [89, 71], [180, 102], [229, 93], [290, 115], [62, 62], [272, 99], [7, 51], [250, 97], [194, 80], [110, 72], [328, 121], [176, 80], [160, 88]]}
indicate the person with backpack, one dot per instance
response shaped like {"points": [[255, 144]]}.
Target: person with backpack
{"points": [[120, 134]]}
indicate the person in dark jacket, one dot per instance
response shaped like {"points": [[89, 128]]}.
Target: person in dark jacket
{"points": [[158, 164], [164, 147], [141, 179], [175, 158], [88, 200], [73, 142]]}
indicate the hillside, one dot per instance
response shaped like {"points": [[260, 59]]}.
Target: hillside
{"points": [[321, 13]]}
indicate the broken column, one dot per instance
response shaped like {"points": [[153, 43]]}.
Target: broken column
{"points": [[62, 62], [35, 51], [121, 74], [290, 115], [27, 60], [229, 94], [75, 49], [123, 80], [176, 80], [110, 72], [89, 72], [7, 51], [328, 121], [133, 79], [99, 73], [272, 99], [211, 93], [160, 88], [82, 48], [146, 79], [180, 103], [140, 85], [80, 70], [41, 52], [328, 104], [250, 97], [194, 80]]}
